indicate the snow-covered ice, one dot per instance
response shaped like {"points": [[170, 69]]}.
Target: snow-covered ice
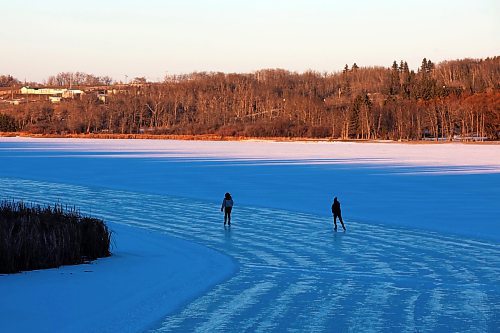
{"points": [[149, 275], [420, 254]]}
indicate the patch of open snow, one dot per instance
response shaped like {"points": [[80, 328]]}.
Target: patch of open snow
{"points": [[149, 275]]}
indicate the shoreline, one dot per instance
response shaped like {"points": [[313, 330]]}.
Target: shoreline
{"points": [[131, 291], [216, 137]]}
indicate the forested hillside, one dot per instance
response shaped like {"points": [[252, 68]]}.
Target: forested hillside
{"points": [[458, 98]]}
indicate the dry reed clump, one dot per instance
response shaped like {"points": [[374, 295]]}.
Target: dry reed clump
{"points": [[36, 237]]}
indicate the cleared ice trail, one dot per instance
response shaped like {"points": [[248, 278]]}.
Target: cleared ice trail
{"points": [[297, 275]]}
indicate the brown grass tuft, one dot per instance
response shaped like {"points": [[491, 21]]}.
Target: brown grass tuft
{"points": [[36, 237]]}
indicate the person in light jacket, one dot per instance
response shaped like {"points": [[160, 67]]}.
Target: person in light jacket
{"points": [[227, 206]]}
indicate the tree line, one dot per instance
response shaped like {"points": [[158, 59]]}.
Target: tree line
{"points": [[452, 98], [66, 79]]}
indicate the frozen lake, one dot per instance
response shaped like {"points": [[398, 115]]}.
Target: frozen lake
{"points": [[421, 252]]}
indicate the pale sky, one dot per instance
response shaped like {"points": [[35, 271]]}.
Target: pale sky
{"points": [[152, 38]]}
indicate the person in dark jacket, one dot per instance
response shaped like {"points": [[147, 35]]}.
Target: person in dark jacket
{"points": [[337, 213], [227, 206]]}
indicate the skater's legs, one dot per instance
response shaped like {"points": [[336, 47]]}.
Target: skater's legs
{"points": [[335, 222], [341, 221], [227, 215]]}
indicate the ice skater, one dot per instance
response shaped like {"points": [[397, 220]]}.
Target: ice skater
{"points": [[227, 206], [337, 213]]}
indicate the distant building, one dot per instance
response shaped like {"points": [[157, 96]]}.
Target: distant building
{"points": [[42, 91], [62, 92], [8, 91], [12, 101], [55, 99], [116, 91], [102, 97], [72, 93]]}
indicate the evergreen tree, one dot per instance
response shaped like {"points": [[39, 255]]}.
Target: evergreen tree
{"points": [[394, 66], [401, 66], [405, 68], [354, 121], [406, 80], [395, 79], [346, 82], [430, 66], [426, 84], [423, 67]]}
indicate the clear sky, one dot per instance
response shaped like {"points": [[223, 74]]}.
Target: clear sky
{"points": [[152, 38]]}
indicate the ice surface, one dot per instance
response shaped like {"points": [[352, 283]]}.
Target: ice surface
{"points": [[453, 188], [149, 274], [421, 251]]}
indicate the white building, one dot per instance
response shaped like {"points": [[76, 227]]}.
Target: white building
{"points": [[42, 91], [55, 99], [61, 92], [72, 93]]}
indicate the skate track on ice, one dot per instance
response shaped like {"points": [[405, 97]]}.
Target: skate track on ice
{"points": [[296, 274]]}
